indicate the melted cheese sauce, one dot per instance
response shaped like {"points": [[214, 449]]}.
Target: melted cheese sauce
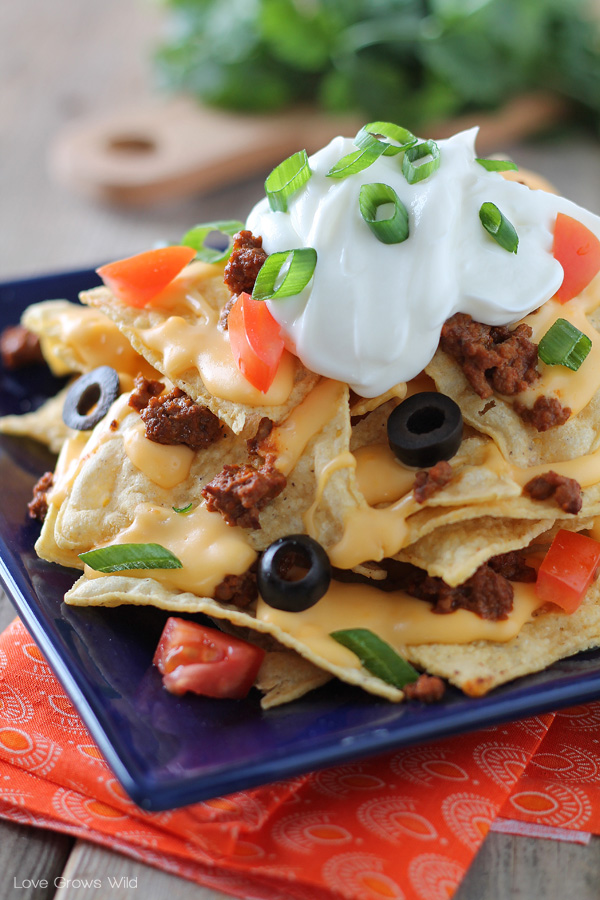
{"points": [[92, 339], [165, 465], [201, 345], [208, 548], [396, 617]]}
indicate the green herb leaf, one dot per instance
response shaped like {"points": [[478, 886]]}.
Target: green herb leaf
{"points": [[121, 557], [183, 510], [356, 161], [287, 178], [564, 345], [497, 165], [368, 136], [393, 229], [496, 224], [285, 274], [413, 173], [224, 230], [376, 656]]}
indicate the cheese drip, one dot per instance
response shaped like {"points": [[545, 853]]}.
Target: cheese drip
{"points": [[164, 464], [208, 548], [200, 345], [396, 617]]}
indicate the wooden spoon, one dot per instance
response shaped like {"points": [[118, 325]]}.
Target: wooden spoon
{"points": [[171, 149]]}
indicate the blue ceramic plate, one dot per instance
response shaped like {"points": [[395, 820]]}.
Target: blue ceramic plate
{"points": [[168, 751]]}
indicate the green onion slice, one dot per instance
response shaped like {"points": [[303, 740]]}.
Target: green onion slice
{"points": [[564, 345], [413, 173], [357, 161], [497, 165], [499, 227], [392, 230], [196, 238], [285, 274], [120, 557], [287, 178], [376, 656], [183, 510], [368, 136]]}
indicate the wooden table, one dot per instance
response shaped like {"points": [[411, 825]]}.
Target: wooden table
{"points": [[65, 59]]}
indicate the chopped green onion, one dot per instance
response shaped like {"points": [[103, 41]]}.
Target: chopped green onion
{"points": [[564, 345], [183, 510], [368, 136], [357, 161], [120, 557], [392, 230], [285, 274], [196, 238], [287, 178], [412, 173], [377, 656], [499, 227], [497, 165]]}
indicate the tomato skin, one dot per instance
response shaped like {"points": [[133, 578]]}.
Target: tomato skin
{"points": [[568, 569], [577, 249], [255, 340], [192, 657], [138, 279]]}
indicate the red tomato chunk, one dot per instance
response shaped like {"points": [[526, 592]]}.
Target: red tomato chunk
{"points": [[577, 249], [192, 657], [568, 569]]}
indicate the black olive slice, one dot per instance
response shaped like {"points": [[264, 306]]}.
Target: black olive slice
{"points": [[425, 428], [287, 556], [90, 397]]}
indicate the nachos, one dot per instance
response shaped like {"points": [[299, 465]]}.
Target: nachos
{"points": [[363, 437]]}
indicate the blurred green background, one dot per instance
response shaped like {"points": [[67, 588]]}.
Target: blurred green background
{"points": [[411, 61]]}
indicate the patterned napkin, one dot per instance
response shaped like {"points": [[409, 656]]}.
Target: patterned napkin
{"points": [[404, 825]]}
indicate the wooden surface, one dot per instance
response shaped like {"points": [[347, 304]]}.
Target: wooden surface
{"points": [[61, 61]]}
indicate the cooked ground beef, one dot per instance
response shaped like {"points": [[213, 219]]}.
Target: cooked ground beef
{"points": [[19, 347], [427, 689], [486, 593], [512, 565], [38, 506], [143, 392], [255, 448], [545, 413], [431, 480], [240, 492], [245, 262], [223, 323], [566, 492], [492, 357], [174, 418], [240, 590]]}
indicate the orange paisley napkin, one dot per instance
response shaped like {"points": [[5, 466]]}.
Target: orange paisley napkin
{"points": [[403, 825]]}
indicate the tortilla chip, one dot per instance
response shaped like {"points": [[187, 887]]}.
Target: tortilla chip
{"points": [[205, 284], [285, 676], [75, 338], [45, 424], [112, 590], [478, 667]]}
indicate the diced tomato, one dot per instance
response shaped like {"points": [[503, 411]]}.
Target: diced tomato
{"points": [[137, 279], [192, 657], [577, 249], [255, 339], [569, 567]]}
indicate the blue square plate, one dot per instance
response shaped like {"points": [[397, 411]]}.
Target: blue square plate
{"points": [[168, 751]]}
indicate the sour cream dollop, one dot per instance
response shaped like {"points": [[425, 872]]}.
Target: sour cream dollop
{"points": [[373, 312]]}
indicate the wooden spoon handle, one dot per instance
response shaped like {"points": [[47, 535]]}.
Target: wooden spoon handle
{"points": [[175, 148]]}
